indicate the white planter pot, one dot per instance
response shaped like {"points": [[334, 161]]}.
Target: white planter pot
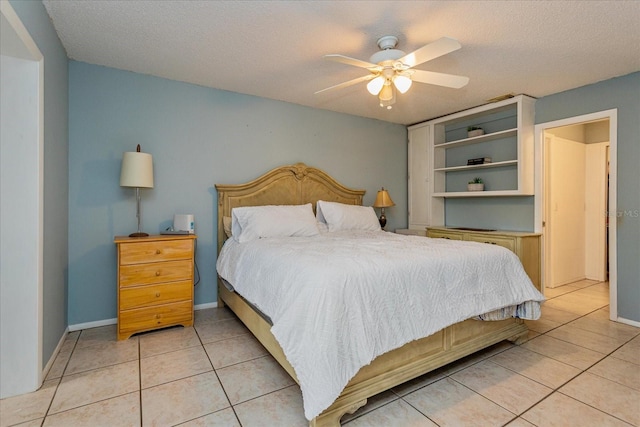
{"points": [[476, 132], [475, 187]]}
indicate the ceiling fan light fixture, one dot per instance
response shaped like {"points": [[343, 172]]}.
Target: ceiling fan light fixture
{"points": [[390, 69], [386, 94], [402, 83], [375, 86], [388, 104]]}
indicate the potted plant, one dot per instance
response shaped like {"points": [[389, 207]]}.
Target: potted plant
{"points": [[474, 131], [475, 185]]}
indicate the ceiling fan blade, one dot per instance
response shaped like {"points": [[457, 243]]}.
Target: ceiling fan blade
{"points": [[431, 51], [440, 79], [352, 61], [348, 83]]}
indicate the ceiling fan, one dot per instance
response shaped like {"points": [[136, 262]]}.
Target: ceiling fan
{"points": [[390, 65]]}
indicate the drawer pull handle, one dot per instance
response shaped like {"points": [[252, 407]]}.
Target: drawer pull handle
{"points": [[157, 294], [158, 251], [157, 273], [448, 238], [491, 243]]}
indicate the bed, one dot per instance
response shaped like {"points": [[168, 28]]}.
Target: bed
{"points": [[300, 185]]}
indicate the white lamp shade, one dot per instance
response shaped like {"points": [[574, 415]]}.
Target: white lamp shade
{"points": [[137, 170], [375, 85], [402, 83]]}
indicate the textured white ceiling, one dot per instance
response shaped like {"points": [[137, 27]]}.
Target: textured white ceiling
{"points": [[274, 49]]}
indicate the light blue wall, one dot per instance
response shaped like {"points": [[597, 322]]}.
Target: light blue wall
{"points": [[36, 20], [492, 213], [198, 137], [622, 93]]}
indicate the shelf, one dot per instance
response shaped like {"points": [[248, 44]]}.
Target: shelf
{"points": [[453, 194], [482, 166], [477, 139]]}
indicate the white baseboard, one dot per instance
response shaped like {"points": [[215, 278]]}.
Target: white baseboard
{"points": [[205, 306], [105, 322], [52, 359], [628, 322], [89, 325]]}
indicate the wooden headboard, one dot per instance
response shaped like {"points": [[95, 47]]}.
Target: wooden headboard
{"points": [[296, 184]]}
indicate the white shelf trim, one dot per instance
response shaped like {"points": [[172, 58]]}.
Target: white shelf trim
{"points": [[482, 166], [487, 193], [476, 139]]}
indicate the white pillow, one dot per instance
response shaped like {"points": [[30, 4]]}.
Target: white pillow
{"points": [[322, 227], [339, 216], [256, 222]]}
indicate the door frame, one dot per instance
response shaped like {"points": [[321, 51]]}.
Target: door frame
{"points": [[539, 156], [24, 334]]}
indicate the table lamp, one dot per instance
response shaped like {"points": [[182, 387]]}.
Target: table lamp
{"points": [[137, 172], [383, 200]]}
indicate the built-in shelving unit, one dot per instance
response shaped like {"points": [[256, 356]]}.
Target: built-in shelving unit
{"points": [[508, 141], [438, 151]]}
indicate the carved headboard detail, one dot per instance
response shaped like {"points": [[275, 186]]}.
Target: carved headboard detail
{"points": [[287, 185]]}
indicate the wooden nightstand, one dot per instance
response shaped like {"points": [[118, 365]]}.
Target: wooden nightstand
{"points": [[155, 282]]}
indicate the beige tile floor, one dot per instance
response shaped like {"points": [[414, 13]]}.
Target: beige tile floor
{"points": [[577, 369]]}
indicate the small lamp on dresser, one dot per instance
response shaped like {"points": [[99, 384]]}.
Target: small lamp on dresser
{"points": [[137, 172], [383, 200]]}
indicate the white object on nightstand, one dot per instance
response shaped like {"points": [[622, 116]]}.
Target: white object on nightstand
{"points": [[184, 222]]}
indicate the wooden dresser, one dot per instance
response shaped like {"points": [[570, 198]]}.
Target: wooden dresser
{"points": [[155, 282], [525, 245]]}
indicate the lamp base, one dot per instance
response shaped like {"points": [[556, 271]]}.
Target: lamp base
{"points": [[383, 221], [138, 234]]}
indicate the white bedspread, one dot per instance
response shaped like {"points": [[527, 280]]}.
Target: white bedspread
{"points": [[339, 300]]}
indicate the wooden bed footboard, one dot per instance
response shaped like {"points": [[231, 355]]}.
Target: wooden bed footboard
{"points": [[390, 369]]}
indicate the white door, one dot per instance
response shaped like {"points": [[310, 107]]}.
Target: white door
{"points": [[419, 188], [565, 171], [595, 211]]}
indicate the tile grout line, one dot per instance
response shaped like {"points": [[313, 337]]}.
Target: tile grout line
{"points": [[218, 377], [605, 355], [139, 379], [46, 414], [593, 407]]}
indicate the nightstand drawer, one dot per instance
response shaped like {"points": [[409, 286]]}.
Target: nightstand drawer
{"points": [[143, 274], [506, 242], [144, 252], [144, 296], [142, 319]]}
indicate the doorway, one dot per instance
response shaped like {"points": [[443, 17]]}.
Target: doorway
{"points": [[574, 193], [574, 202]]}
